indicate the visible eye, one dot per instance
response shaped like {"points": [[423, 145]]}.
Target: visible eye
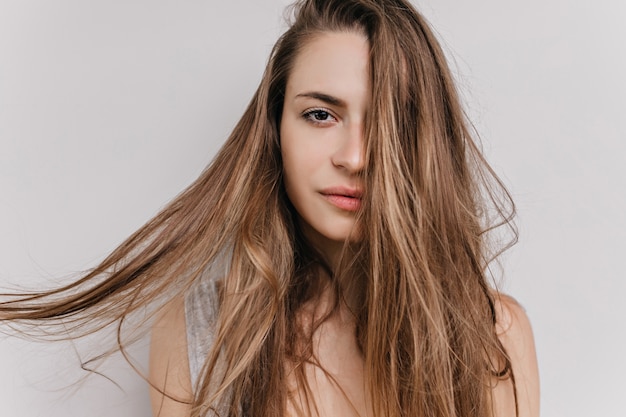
{"points": [[319, 116]]}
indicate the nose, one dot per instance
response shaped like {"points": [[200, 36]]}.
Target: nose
{"points": [[349, 154]]}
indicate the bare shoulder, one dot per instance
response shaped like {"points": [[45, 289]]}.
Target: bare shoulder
{"points": [[170, 379], [515, 334]]}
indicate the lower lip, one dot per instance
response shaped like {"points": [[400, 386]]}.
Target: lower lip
{"points": [[343, 202]]}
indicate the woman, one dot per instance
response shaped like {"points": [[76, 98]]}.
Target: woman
{"points": [[331, 260]]}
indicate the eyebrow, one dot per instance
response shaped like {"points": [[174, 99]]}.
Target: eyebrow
{"points": [[326, 98]]}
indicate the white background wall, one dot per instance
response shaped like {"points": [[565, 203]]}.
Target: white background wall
{"points": [[109, 108]]}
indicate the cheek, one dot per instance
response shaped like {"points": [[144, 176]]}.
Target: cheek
{"points": [[301, 170], [294, 150], [290, 160], [304, 157], [286, 154]]}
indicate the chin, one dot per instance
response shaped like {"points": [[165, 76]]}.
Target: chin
{"points": [[350, 234]]}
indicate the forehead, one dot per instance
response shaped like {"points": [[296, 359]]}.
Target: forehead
{"points": [[336, 63]]}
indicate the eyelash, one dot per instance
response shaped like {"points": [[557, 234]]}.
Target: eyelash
{"points": [[309, 116]]}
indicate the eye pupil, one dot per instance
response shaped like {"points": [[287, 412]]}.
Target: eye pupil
{"points": [[321, 115], [318, 116]]}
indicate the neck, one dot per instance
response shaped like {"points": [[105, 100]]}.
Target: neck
{"points": [[348, 279], [336, 256]]}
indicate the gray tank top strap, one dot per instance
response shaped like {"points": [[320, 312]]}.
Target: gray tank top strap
{"points": [[201, 309]]}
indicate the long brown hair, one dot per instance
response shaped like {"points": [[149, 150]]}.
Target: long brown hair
{"points": [[427, 323]]}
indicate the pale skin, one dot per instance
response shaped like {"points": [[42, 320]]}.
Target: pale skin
{"points": [[325, 105]]}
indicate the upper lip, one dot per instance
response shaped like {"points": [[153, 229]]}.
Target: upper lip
{"points": [[343, 191]]}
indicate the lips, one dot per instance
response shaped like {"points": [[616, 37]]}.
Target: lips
{"points": [[344, 198]]}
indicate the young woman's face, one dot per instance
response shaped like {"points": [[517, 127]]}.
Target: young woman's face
{"points": [[321, 135]]}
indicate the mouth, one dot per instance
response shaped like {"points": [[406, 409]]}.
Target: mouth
{"points": [[344, 198]]}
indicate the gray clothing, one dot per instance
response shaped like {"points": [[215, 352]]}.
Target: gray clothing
{"points": [[201, 310]]}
